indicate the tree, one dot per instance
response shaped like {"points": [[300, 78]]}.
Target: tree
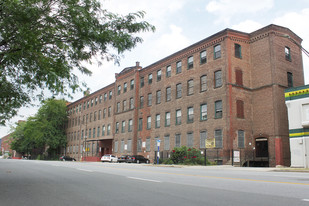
{"points": [[42, 41], [43, 131]]}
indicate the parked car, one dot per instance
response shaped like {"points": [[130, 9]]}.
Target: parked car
{"points": [[67, 158], [137, 159], [109, 158], [123, 158]]}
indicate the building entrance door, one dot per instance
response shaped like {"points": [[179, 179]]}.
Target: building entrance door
{"points": [[261, 147]]}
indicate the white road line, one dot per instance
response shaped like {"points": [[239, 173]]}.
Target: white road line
{"points": [[84, 170], [306, 200], [136, 178]]}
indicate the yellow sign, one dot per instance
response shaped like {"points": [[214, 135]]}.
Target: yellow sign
{"points": [[210, 143]]}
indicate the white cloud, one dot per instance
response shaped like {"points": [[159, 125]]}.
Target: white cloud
{"points": [[247, 26], [226, 9], [171, 42], [156, 11]]}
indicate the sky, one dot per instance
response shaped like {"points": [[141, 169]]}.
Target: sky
{"points": [[180, 23]]}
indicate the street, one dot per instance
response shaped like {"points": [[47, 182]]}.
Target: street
{"points": [[37, 183]]}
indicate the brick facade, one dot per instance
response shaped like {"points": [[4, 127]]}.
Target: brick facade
{"points": [[244, 92]]}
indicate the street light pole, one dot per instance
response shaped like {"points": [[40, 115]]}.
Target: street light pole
{"points": [[297, 44]]}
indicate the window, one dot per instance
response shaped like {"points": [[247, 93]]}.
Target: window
{"points": [[129, 147], [100, 114], [159, 72], [218, 109], [103, 130], [178, 67], [88, 103], [178, 117], [167, 142], [203, 83], [110, 94], [177, 140], [287, 53], [218, 138], [119, 89], [108, 129], [149, 78], [241, 138], [125, 87], [217, 51], [100, 99], [95, 116], [203, 137], [157, 120], [149, 122], [82, 134], [190, 118], [116, 146], [124, 105], [203, 115], [132, 84], [190, 139], [203, 57], [92, 103], [167, 119], [238, 75], [148, 144], [141, 102], [178, 91], [123, 126], [190, 62], [140, 124], [109, 111], [80, 107], [130, 127], [84, 105], [149, 102], [117, 127], [240, 109], [168, 71], [122, 146], [237, 51], [158, 100], [104, 113], [218, 78], [105, 97], [131, 103], [168, 94], [290, 79], [142, 82], [89, 133], [139, 145], [118, 107], [90, 117], [98, 132], [190, 87]]}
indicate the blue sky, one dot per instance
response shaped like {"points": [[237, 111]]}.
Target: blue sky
{"points": [[180, 23]]}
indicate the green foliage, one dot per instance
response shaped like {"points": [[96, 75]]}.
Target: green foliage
{"points": [[167, 162], [42, 41], [45, 129], [187, 156]]}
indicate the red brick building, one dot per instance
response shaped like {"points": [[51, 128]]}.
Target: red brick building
{"points": [[229, 86], [6, 148]]}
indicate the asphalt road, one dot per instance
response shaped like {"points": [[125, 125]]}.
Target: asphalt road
{"points": [[45, 183]]}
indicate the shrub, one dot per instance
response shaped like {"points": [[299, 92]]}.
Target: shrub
{"points": [[188, 156]]}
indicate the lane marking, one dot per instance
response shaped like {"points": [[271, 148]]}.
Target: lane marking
{"points": [[148, 180], [306, 200], [84, 170], [207, 176]]}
